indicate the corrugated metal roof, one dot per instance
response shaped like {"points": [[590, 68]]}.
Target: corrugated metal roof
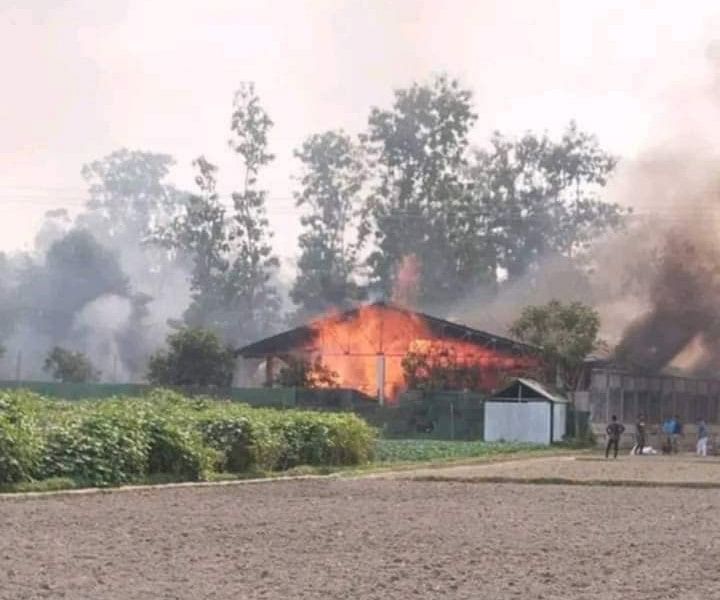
{"points": [[302, 336], [534, 385]]}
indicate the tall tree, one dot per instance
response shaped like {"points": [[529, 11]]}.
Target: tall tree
{"points": [[533, 197], [129, 199], [199, 234], [129, 194], [230, 251], [332, 180], [419, 151], [254, 264]]}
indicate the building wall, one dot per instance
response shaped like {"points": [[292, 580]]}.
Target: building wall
{"points": [[517, 422], [613, 392]]}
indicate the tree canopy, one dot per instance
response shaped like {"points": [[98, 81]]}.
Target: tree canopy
{"points": [[70, 367], [230, 250], [566, 333], [194, 357], [418, 149], [533, 197], [331, 185]]}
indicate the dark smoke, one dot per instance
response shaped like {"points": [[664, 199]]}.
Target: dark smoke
{"points": [[685, 305]]}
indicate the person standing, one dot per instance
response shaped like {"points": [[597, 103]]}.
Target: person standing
{"points": [[702, 441], [614, 430], [668, 431], [639, 435], [677, 432]]}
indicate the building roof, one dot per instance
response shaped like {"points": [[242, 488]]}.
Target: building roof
{"points": [[529, 389], [303, 336]]}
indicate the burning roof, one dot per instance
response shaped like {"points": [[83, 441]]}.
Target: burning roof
{"points": [[305, 337], [368, 349]]}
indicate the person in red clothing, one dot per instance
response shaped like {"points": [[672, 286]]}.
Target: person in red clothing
{"points": [[614, 430]]}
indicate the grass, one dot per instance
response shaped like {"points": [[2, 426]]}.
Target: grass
{"points": [[54, 484], [393, 451]]}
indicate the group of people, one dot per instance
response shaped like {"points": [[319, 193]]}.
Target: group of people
{"points": [[672, 431]]}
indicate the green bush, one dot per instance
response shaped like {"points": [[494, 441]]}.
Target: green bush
{"points": [[166, 436], [99, 446], [178, 451], [20, 439], [324, 439], [265, 439], [245, 442]]}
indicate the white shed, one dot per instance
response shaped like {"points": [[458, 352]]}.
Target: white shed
{"points": [[526, 411]]}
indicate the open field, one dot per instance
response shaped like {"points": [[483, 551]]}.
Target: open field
{"points": [[588, 469], [366, 538]]}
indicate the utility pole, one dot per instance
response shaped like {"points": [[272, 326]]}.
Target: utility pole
{"points": [[18, 366], [380, 375]]}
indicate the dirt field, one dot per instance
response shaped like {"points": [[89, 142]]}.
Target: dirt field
{"points": [[365, 538], [682, 469]]}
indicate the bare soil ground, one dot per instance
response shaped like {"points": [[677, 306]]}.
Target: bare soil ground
{"points": [[366, 538], [683, 469]]}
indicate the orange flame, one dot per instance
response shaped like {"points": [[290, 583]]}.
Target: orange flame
{"points": [[359, 345]]}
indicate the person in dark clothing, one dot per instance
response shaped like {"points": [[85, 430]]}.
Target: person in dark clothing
{"points": [[614, 431], [639, 435], [677, 432]]}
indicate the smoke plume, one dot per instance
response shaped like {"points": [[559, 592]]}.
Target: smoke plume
{"points": [[656, 284], [407, 281]]}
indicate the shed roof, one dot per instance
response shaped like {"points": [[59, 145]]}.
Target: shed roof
{"points": [[529, 389], [304, 335]]}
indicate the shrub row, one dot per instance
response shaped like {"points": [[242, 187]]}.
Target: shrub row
{"points": [[109, 442]]}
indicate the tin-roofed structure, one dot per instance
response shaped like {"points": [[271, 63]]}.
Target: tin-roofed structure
{"points": [[366, 346]]}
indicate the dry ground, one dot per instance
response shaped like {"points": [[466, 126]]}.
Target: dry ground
{"points": [[683, 469], [367, 538]]}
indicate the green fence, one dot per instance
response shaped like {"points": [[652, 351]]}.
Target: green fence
{"points": [[329, 399], [273, 397], [434, 415], [77, 391]]}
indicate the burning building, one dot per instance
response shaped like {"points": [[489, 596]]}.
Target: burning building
{"points": [[375, 348]]}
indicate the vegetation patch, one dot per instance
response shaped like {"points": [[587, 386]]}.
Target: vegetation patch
{"points": [[166, 437], [430, 450]]}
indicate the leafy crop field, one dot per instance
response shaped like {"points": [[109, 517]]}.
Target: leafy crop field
{"points": [[167, 437], [388, 451]]}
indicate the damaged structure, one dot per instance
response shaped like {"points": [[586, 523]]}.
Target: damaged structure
{"points": [[366, 348], [609, 389]]}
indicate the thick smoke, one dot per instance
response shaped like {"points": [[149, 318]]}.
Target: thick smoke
{"points": [[657, 283], [87, 288], [80, 294], [554, 277], [678, 182], [682, 285]]}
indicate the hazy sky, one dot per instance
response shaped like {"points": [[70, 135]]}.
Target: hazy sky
{"points": [[82, 78]]}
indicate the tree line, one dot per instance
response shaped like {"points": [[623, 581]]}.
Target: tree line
{"points": [[411, 184]]}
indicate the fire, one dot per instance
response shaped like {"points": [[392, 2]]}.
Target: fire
{"points": [[366, 349]]}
